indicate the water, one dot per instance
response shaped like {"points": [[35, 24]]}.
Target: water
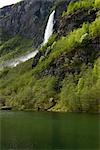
{"points": [[48, 32], [38, 130], [49, 27], [14, 62]]}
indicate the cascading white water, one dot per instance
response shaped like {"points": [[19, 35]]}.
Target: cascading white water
{"points": [[48, 33], [14, 62], [49, 28]]}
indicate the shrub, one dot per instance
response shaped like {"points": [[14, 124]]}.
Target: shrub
{"points": [[15, 47], [97, 4], [94, 28], [69, 43], [88, 89], [68, 96], [82, 4], [85, 95], [51, 40], [44, 89]]}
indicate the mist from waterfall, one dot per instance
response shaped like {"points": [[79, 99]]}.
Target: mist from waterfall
{"points": [[14, 62], [49, 28]]}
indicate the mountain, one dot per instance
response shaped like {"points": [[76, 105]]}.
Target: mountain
{"points": [[25, 21], [65, 73]]}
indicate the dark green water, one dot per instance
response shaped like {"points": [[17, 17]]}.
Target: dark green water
{"points": [[33, 130]]}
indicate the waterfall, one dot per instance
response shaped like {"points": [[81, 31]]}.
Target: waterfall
{"points": [[47, 34], [49, 27], [14, 62]]}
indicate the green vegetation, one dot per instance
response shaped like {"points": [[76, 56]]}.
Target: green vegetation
{"points": [[82, 4], [21, 90], [14, 47], [97, 4], [69, 43], [25, 88], [83, 96], [86, 4], [51, 41], [35, 96], [94, 29]]}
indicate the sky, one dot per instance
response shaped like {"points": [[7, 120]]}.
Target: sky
{"points": [[7, 2]]}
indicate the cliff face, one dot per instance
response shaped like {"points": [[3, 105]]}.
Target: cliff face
{"points": [[28, 19], [63, 26], [75, 20]]}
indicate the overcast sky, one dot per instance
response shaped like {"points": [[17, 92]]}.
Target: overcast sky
{"points": [[7, 2]]}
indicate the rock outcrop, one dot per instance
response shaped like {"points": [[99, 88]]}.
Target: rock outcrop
{"points": [[71, 62], [75, 20], [27, 18]]}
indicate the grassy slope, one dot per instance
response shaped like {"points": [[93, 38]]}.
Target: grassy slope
{"points": [[14, 47], [82, 4], [22, 88]]}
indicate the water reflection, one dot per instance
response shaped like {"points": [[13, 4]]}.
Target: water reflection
{"points": [[30, 130]]}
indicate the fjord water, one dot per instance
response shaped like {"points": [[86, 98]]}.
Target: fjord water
{"points": [[38, 130]]}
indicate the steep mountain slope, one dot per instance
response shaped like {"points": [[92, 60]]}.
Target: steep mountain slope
{"points": [[27, 18], [25, 21], [66, 71]]}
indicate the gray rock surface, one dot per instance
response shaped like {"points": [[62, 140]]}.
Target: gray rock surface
{"points": [[27, 18]]}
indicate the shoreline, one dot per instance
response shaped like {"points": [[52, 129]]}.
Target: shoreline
{"points": [[49, 111]]}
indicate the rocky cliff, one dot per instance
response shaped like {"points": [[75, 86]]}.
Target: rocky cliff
{"points": [[28, 18]]}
